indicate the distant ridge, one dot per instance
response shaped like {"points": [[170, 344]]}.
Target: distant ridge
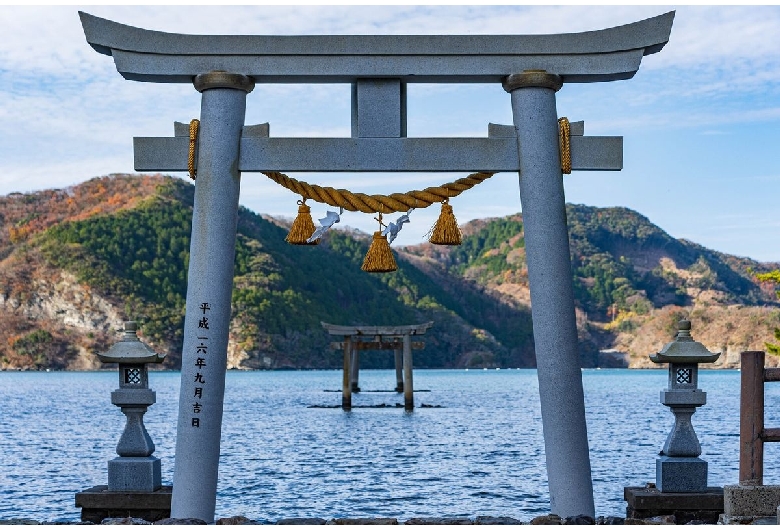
{"points": [[632, 282], [74, 263]]}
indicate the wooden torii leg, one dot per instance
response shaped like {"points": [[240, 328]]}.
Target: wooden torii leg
{"points": [[408, 385], [346, 387], [751, 419], [355, 369], [399, 378]]}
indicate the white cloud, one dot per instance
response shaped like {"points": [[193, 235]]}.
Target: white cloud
{"points": [[66, 115]]}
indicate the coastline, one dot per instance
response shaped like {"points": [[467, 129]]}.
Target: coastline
{"points": [[477, 520]]}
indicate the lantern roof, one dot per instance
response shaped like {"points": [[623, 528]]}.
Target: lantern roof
{"points": [[130, 350], [683, 349]]}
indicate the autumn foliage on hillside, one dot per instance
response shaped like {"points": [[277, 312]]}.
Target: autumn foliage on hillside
{"points": [[30, 340], [22, 215], [81, 260], [76, 262]]}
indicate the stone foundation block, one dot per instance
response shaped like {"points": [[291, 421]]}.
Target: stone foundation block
{"points": [[750, 501], [301, 520], [364, 521], [438, 521], [128, 473], [680, 474], [489, 520], [646, 502], [98, 503]]}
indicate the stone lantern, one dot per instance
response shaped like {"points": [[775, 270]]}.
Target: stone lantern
{"points": [[135, 469], [679, 468]]}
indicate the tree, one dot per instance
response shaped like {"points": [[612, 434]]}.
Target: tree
{"points": [[772, 277]]}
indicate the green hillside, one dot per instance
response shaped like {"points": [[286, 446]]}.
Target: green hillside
{"points": [[620, 261], [632, 282], [74, 263], [137, 257]]}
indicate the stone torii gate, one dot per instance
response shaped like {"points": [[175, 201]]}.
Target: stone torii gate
{"points": [[358, 338], [532, 68]]}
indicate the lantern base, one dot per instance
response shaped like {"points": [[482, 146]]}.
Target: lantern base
{"points": [[98, 503], [134, 473], [646, 502], [680, 474]]}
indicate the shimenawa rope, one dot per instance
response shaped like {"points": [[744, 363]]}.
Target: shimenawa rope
{"points": [[396, 202], [360, 202], [564, 138], [379, 257], [194, 126]]}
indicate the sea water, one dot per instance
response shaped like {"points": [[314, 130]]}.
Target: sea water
{"points": [[479, 450]]}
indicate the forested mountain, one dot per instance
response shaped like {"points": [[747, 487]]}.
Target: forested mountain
{"points": [[74, 263], [121, 243], [632, 282]]}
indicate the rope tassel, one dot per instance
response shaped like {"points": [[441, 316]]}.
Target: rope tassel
{"points": [[445, 231], [303, 227], [379, 257]]}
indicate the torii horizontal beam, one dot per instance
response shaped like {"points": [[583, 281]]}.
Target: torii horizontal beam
{"points": [[592, 56], [377, 345], [496, 153], [373, 331]]}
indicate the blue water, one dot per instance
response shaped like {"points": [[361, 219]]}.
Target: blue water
{"points": [[481, 453]]}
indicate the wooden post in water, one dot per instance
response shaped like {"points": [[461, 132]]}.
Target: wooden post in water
{"points": [[399, 377], [408, 385], [346, 387], [355, 368], [751, 419]]}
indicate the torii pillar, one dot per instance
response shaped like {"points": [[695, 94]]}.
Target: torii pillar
{"points": [[207, 318], [552, 298], [531, 67]]}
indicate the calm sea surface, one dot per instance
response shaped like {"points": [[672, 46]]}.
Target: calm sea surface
{"points": [[481, 453]]}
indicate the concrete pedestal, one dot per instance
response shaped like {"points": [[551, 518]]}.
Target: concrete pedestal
{"points": [[99, 503], [134, 473], [650, 502], [680, 474], [745, 504]]}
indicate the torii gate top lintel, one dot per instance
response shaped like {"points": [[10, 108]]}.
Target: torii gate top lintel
{"points": [[591, 56], [373, 331], [378, 67]]}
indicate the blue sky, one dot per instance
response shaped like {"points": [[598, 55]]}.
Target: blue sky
{"points": [[700, 121]]}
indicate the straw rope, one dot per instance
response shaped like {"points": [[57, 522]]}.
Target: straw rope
{"points": [[396, 202], [360, 202], [194, 126], [564, 143]]}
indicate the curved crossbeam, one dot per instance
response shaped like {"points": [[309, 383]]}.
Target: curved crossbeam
{"points": [[604, 55]]}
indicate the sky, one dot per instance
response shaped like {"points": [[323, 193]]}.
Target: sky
{"points": [[700, 120]]}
